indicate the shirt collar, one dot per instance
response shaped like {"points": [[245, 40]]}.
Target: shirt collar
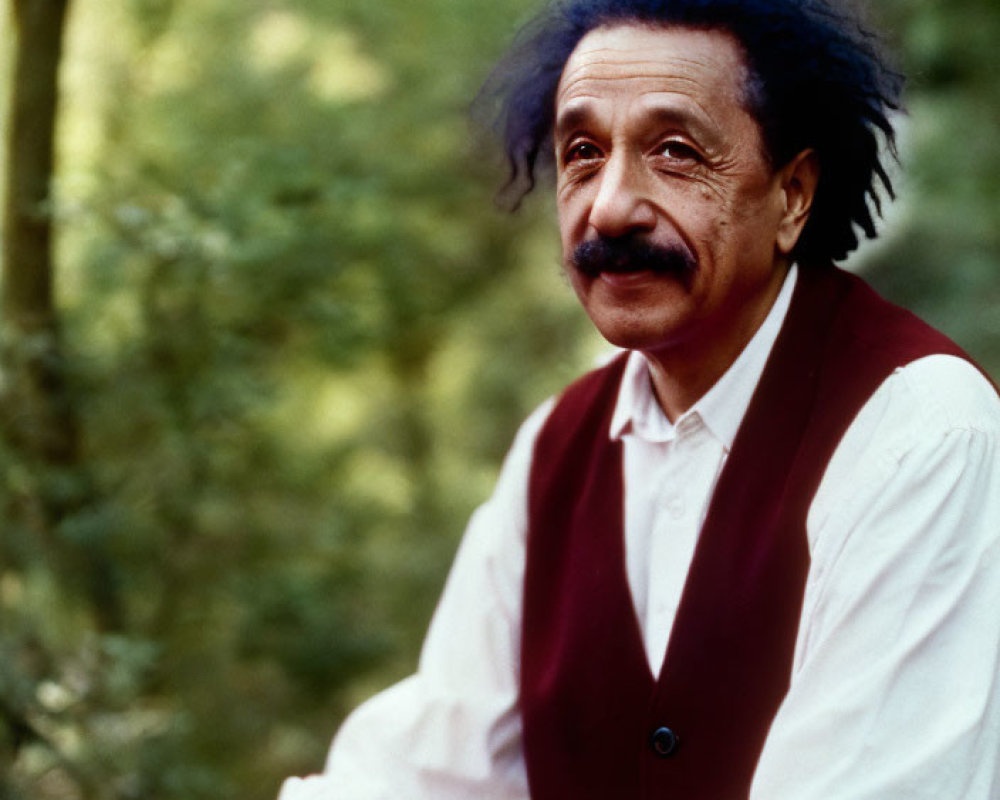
{"points": [[722, 407]]}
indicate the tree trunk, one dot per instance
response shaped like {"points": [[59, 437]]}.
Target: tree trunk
{"points": [[39, 430], [38, 422]]}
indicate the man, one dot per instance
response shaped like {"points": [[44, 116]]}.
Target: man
{"points": [[758, 555]]}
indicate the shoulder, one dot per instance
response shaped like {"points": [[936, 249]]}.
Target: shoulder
{"points": [[911, 497], [917, 384], [924, 401], [581, 393], [931, 429], [948, 392], [580, 419], [511, 487]]}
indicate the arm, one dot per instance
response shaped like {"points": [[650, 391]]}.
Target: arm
{"points": [[895, 692], [451, 731]]}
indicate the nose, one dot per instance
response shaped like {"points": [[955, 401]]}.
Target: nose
{"points": [[622, 205]]}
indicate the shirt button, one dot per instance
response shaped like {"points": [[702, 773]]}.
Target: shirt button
{"points": [[664, 742]]}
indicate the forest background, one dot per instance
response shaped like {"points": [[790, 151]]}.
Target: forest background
{"points": [[284, 343]]}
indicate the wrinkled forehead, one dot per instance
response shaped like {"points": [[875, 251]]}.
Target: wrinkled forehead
{"points": [[701, 63]]}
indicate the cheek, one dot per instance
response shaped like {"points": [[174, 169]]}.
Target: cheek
{"points": [[701, 215], [697, 204], [746, 219]]}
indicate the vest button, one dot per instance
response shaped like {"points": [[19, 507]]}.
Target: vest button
{"points": [[664, 742]]}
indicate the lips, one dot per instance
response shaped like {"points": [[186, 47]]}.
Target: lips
{"points": [[625, 280]]}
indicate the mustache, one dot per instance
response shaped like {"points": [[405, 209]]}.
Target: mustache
{"points": [[633, 254]]}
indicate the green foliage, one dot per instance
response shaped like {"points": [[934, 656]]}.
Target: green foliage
{"points": [[944, 261], [301, 338]]}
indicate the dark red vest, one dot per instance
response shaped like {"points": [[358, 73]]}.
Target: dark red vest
{"points": [[597, 724]]}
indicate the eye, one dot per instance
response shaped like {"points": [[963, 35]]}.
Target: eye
{"points": [[677, 151], [581, 151]]}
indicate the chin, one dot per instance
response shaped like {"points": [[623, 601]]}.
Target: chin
{"points": [[634, 328], [634, 337]]}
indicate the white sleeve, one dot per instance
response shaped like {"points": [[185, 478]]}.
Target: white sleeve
{"points": [[895, 691], [452, 731]]}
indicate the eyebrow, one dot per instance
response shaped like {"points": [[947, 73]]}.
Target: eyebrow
{"points": [[699, 124], [576, 116], [658, 112]]}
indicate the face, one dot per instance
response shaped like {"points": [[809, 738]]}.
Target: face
{"points": [[653, 143]]}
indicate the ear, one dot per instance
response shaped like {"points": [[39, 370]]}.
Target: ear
{"points": [[799, 178]]}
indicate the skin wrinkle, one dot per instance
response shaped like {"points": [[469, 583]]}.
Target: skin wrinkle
{"points": [[670, 154], [665, 105], [787, 50], [662, 110], [654, 62], [721, 164], [686, 89]]}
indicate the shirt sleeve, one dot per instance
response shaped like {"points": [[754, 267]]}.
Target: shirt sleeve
{"points": [[451, 731], [895, 693]]}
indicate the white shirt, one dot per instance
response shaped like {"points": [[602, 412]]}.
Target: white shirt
{"points": [[895, 690]]}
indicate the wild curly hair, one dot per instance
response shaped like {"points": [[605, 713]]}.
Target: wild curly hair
{"points": [[817, 79]]}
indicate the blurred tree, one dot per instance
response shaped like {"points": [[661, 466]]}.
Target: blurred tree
{"points": [[300, 339], [36, 419], [39, 452], [942, 258]]}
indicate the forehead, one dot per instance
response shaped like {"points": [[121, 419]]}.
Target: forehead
{"points": [[704, 66]]}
